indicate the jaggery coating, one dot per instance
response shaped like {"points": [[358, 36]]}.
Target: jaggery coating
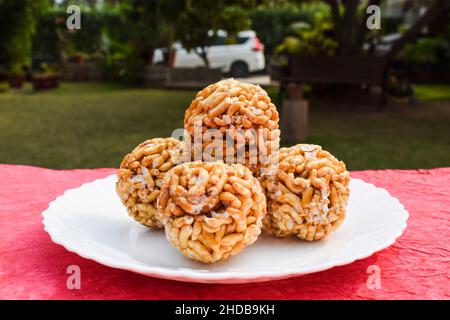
{"points": [[307, 191], [141, 174], [241, 111], [211, 210]]}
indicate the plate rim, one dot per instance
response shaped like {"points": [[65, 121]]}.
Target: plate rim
{"points": [[191, 275]]}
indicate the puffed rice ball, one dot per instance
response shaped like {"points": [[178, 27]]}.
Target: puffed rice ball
{"points": [[307, 190], [211, 210], [140, 177], [244, 108]]}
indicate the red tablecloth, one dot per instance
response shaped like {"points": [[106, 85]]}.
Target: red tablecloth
{"points": [[32, 267]]}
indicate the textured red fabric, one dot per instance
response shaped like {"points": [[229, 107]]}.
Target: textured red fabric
{"points": [[32, 267]]}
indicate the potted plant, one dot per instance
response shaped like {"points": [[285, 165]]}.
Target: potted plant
{"points": [[16, 76], [45, 79], [80, 57], [399, 89]]}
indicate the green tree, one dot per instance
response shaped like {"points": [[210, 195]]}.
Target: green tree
{"points": [[144, 25], [350, 31], [17, 26], [310, 38], [200, 17]]}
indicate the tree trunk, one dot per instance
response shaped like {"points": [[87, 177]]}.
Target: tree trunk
{"points": [[346, 33], [348, 24], [362, 31], [203, 55], [336, 18]]}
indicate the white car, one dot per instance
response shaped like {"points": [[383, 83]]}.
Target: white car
{"points": [[243, 56]]}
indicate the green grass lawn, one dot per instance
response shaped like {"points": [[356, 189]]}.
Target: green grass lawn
{"points": [[432, 92], [89, 125]]}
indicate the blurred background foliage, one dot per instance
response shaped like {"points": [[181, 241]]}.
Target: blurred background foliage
{"points": [[273, 22], [123, 34], [429, 52], [310, 38], [119, 36], [18, 26]]}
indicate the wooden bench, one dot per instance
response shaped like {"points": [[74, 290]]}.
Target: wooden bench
{"points": [[364, 70]]}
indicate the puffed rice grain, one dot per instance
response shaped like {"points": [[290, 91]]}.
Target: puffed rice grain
{"points": [[307, 190], [140, 177], [211, 210]]}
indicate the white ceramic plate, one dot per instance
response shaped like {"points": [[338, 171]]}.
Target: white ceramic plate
{"points": [[91, 221]]}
